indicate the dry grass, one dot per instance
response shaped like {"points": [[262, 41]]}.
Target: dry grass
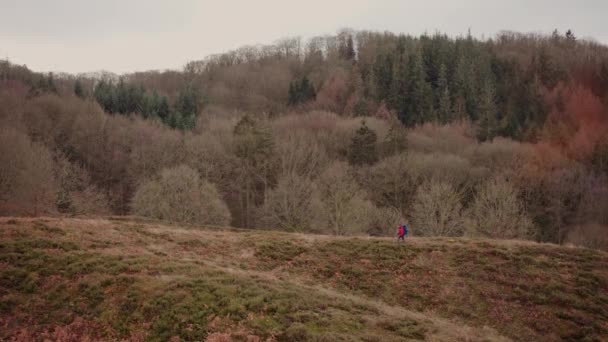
{"points": [[106, 278]]}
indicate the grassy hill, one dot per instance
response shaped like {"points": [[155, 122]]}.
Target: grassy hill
{"points": [[117, 278]]}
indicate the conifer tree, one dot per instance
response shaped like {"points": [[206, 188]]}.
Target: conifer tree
{"points": [[398, 94], [444, 104], [78, 90], [488, 122], [420, 93], [363, 146], [382, 76], [300, 91]]}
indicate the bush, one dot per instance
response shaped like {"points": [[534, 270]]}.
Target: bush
{"points": [[180, 195], [384, 221], [497, 213], [437, 210]]}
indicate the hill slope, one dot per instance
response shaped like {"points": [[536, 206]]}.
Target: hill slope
{"points": [[118, 278]]}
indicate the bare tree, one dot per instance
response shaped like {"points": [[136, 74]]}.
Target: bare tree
{"points": [[180, 195], [289, 205], [341, 203], [497, 213], [437, 210], [27, 182]]}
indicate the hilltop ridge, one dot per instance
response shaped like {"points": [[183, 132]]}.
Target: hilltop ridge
{"points": [[117, 278]]}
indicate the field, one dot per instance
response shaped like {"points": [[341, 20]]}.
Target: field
{"points": [[121, 278]]}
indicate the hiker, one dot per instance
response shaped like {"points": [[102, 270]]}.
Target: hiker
{"points": [[402, 232]]}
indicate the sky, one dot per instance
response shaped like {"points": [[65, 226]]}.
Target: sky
{"points": [[136, 35]]}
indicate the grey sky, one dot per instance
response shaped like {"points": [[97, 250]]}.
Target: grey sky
{"points": [[129, 35]]}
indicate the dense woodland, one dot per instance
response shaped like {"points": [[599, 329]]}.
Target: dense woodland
{"points": [[344, 134]]}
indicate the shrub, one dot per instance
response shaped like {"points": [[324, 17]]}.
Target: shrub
{"points": [[497, 212], [383, 221], [180, 195]]}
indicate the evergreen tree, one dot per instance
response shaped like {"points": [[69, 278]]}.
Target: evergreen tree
{"points": [[347, 50], [50, 84], [363, 146], [78, 90], [420, 94], [570, 36], [397, 99], [105, 95], [301, 91], [488, 122], [163, 110], [187, 101], [444, 102], [382, 76]]}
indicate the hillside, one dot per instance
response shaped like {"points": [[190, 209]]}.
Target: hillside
{"points": [[118, 278]]}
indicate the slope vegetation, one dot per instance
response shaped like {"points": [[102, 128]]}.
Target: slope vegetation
{"points": [[126, 278]]}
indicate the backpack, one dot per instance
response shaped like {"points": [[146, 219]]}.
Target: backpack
{"points": [[405, 231]]}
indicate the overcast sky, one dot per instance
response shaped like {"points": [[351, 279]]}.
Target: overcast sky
{"points": [[129, 35]]}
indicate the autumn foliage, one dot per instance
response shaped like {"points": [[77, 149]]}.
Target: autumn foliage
{"points": [[345, 134]]}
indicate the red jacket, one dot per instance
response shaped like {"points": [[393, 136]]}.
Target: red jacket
{"points": [[401, 232]]}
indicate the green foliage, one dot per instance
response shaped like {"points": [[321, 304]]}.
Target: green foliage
{"points": [[301, 90], [444, 100], [488, 121], [126, 98], [363, 150], [78, 90], [42, 84]]}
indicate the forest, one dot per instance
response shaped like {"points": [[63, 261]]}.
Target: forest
{"points": [[346, 134]]}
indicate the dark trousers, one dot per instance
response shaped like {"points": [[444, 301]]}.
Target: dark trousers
{"points": [[401, 237]]}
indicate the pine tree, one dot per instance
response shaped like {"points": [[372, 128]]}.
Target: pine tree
{"points": [[420, 93], [382, 76], [104, 94], [186, 102], [444, 102], [350, 49], [78, 90], [363, 146], [570, 36], [163, 110], [488, 123], [301, 91], [50, 84], [397, 99]]}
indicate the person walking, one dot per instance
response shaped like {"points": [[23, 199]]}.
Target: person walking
{"points": [[402, 232]]}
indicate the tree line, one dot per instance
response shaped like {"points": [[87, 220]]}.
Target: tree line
{"points": [[349, 134]]}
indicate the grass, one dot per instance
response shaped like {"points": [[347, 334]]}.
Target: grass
{"points": [[132, 279]]}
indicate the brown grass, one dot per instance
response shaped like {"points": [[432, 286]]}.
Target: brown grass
{"points": [[449, 289]]}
